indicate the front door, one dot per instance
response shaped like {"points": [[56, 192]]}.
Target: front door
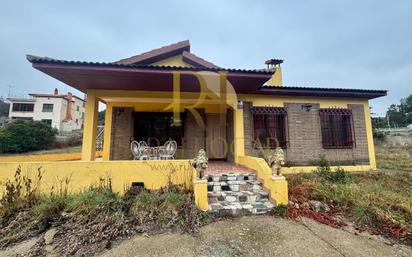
{"points": [[216, 145]]}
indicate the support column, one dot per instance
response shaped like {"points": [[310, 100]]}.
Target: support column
{"points": [[107, 132], [369, 134], [90, 127], [239, 134]]}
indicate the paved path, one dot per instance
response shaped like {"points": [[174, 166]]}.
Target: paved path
{"points": [[260, 236]]}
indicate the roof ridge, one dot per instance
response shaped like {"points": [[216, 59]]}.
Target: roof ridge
{"points": [[191, 57], [181, 45]]}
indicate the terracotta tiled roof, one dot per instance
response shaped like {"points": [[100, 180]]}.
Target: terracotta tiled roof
{"points": [[197, 61], [182, 47], [53, 95], [157, 54], [322, 91], [47, 60]]}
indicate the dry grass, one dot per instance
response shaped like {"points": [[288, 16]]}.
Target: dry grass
{"points": [[379, 201], [394, 159], [70, 149]]}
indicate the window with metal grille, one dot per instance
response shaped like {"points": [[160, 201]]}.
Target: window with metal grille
{"points": [[269, 127], [336, 127], [20, 107]]}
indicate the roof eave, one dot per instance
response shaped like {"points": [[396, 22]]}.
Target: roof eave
{"points": [[322, 92]]}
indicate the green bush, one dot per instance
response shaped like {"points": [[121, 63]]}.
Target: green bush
{"points": [[337, 176], [24, 136], [323, 165], [379, 135]]}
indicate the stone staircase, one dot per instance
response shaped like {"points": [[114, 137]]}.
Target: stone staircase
{"points": [[237, 194]]}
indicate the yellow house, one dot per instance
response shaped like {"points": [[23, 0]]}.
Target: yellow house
{"points": [[236, 115]]}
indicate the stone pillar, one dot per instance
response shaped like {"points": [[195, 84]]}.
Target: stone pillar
{"points": [[248, 128], [90, 127], [121, 133]]}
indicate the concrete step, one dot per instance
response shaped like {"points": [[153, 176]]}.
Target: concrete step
{"points": [[237, 194]]}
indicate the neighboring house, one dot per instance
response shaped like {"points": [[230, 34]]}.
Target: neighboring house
{"points": [[63, 112], [228, 112]]}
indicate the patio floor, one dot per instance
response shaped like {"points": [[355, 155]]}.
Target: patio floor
{"points": [[217, 167]]}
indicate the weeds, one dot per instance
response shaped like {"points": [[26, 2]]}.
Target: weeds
{"points": [[337, 176], [280, 210], [374, 201], [88, 220], [20, 193]]}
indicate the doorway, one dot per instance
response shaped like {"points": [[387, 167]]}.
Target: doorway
{"points": [[216, 143]]}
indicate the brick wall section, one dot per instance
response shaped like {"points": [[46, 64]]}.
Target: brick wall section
{"points": [[122, 134], [194, 136], [305, 139], [230, 135], [248, 128], [360, 150]]}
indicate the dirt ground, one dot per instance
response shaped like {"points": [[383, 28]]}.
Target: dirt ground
{"points": [[247, 236], [260, 236]]}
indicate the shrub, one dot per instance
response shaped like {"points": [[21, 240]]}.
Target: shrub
{"points": [[337, 176], [323, 164], [379, 135], [280, 210], [23, 136]]}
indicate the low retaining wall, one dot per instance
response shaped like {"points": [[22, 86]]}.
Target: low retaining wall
{"points": [[308, 169], [277, 185], [82, 174]]}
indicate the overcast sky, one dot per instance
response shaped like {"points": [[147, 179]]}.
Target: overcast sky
{"points": [[349, 44]]}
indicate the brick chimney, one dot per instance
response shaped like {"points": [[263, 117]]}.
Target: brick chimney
{"points": [[69, 98], [56, 92]]}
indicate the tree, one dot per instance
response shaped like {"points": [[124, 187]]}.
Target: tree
{"points": [[23, 136], [400, 115], [4, 109], [101, 117]]}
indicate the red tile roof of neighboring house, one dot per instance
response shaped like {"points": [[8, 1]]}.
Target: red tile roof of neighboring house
{"points": [[53, 95]]}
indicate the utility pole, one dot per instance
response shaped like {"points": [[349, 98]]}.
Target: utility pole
{"points": [[387, 119], [9, 94]]}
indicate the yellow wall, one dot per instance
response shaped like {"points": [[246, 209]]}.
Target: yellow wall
{"points": [[276, 79], [277, 185], [200, 192], [90, 126], [173, 61], [154, 174], [152, 101]]}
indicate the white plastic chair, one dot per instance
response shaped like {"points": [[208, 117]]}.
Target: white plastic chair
{"points": [[169, 150], [135, 147], [143, 150]]}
